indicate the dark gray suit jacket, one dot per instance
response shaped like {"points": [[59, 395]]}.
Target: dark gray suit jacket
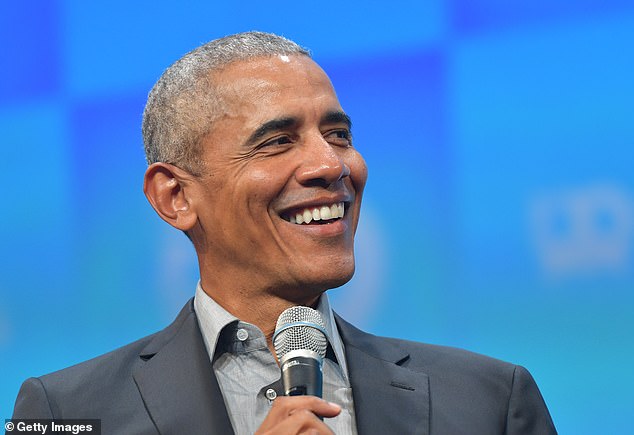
{"points": [[164, 383]]}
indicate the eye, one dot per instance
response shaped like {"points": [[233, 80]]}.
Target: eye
{"points": [[341, 137], [280, 140]]}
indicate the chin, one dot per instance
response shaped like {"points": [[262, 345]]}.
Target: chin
{"points": [[330, 280], [309, 286], [341, 280]]}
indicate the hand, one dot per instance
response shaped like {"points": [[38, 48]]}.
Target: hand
{"points": [[298, 415]]}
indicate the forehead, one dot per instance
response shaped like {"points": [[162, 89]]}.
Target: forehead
{"points": [[274, 83]]}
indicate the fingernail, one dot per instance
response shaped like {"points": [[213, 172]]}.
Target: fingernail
{"points": [[334, 404]]}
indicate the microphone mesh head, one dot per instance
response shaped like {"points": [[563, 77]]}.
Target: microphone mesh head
{"points": [[299, 328]]}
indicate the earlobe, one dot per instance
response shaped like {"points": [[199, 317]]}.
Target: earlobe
{"points": [[165, 187]]}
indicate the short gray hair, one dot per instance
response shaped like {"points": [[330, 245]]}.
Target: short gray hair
{"points": [[184, 103]]}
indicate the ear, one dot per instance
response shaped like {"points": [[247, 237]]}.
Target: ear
{"points": [[166, 188]]}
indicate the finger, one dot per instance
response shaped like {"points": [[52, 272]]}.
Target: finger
{"points": [[314, 404], [319, 408], [302, 421]]}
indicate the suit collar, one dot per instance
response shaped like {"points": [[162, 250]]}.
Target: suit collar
{"points": [[177, 382], [388, 396]]}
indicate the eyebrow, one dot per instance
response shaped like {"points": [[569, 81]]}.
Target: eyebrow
{"points": [[337, 117], [271, 126], [332, 117]]}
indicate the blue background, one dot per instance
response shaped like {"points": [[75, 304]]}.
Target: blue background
{"points": [[498, 217]]}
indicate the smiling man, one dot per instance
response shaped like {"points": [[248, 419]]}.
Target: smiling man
{"points": [[251, 155]]}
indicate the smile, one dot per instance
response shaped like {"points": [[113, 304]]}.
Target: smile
{"points": [[322, 214]]}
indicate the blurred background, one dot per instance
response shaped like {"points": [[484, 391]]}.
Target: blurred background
{"points": [[498, 216]]}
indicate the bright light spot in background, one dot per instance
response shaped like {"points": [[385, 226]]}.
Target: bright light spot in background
{"points": [[581, 230]]}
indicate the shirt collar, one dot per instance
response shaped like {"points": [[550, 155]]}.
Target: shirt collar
{"points": [[212, 319]]}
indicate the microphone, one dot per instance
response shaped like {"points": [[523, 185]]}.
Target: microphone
{"points": [[300, 344]]}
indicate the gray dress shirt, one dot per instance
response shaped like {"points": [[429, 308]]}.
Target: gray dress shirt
{"points": [[249, 376]]}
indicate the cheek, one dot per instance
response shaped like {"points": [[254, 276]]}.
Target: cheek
{"points": [[260, 176], [358, 171], [265, 175], [261, 185]]}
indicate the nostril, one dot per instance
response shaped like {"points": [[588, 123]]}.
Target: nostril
{"points": [[345, 172]]}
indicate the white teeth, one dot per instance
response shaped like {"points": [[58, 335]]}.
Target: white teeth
{"points": [[308, 216], [324, 212]]}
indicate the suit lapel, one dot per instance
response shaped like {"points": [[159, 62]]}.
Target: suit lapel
{"points": [[388, 397], [177, 382]]}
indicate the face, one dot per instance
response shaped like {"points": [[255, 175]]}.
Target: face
{"points": [[279, 198]]}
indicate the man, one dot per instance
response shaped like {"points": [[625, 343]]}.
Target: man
{"points": [[251, 156]]}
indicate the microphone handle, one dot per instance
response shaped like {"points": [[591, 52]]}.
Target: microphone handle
{"points": [[302, 376]]}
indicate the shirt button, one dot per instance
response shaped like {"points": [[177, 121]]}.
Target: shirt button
{"points": [[271, 394], [242, 334]]}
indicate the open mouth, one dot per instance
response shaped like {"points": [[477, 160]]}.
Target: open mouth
{"points": [[319, 215]]}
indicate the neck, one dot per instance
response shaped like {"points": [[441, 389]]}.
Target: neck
{"points": [[260, 308]]}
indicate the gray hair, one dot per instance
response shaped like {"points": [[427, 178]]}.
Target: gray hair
{"points": [[184, 103]]}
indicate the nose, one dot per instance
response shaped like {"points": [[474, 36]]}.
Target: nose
{"points": [[322, 164]]}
